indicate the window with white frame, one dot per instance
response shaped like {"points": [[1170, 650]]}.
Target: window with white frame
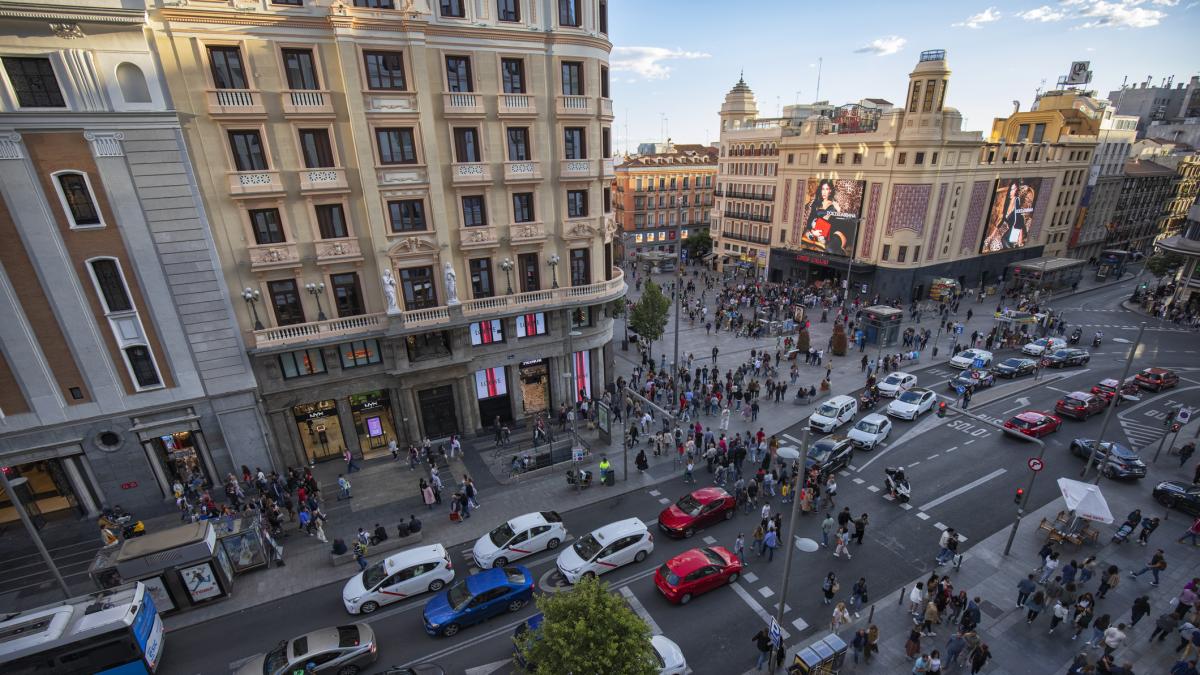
{"points": [[75, 191], [124, 322]]}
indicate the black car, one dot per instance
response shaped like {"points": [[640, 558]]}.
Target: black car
{"points": [[1013, 368], [974, 379], [1178, 495], [1115, 460], [1066, 357], [829, 455]]}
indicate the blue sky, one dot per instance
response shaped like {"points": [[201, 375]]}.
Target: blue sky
{"points": [[678, 58]]}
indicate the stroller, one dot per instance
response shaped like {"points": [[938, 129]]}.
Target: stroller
{"points": [[1126, 529]]}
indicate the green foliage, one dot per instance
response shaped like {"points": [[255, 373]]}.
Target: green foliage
{"points": [[1163, 263], [840, 342], [589, 630], [802, 340], [698, 244], [616, 308], [649, 316]]}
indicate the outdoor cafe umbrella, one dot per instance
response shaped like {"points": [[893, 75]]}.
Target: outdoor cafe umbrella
{"points": [[1085, 500]]}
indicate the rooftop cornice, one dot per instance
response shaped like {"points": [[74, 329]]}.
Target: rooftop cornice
{"points": [[47, 12]]}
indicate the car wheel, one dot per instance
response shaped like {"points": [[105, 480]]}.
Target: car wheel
{"points": [[436, 585], [588, 575], [687, 534], [641, 555], [552, 544], [368, 607], [499, 562], [348, 670], [685, 598], [450, 630], [516, 605], [1166, 500], [732, 578], [729, 514]]}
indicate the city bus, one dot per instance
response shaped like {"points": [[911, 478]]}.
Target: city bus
{"points": [[114, 632]]}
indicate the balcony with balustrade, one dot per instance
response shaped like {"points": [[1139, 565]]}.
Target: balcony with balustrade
{"points": [[478, 237], [526, 233], [575, 106], [284, 254], [324, 179], [254, 183], [470, 173], [606, 108], [462, 103], [517, 172], [235, 103], [411, 321], [516, 105], [299, 102], [608, 168], [578, 168], [330, 251]]}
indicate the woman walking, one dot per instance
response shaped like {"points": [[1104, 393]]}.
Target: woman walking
{"points": [[912, 646], [1110, 580], [427, 494], [829, 587], [931, 617], [1059, 612], [841, 617], [980, 658], [1035, 604]]}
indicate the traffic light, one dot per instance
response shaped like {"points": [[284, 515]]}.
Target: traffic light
{"points": [[941, 409], [1020, 494]]}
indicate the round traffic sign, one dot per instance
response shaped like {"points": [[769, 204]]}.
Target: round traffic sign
{"points": [[1035, 464]]}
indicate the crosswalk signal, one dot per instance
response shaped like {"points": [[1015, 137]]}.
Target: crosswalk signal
{"points": [[1020, 494], [941, 409]]}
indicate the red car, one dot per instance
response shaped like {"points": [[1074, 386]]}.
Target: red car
{"points": [[1108, 389], [1156, 379], [700, 508], [697, 571], [1080, 405], [1034, 423]]}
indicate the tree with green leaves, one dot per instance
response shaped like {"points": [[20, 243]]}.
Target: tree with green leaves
{"points": [[802, 340], [588, 630], [698, 244], [649, 316], [840, 343], [1163, 263]]}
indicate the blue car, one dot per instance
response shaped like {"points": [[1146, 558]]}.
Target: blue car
{"points": [[477, 598], [525, 635]]}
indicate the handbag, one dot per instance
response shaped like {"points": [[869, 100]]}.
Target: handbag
{"points": [[835, 588]]}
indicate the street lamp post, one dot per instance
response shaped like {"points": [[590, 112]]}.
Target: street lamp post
{"points": [[790, 454], [19, 507], [1108, 414], [251, 297], [507, 265], [316, 290], [553, 263]]}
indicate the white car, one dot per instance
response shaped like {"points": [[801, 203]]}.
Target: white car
{"points": [[967, 357], [606, 549], [833, 413], [670, 656], [397, 577], [910, 404], [896, 383], [870, 431], [1043, 345], [522, 536]]}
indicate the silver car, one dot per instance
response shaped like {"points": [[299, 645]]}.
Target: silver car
{"points": [[344, 650]]}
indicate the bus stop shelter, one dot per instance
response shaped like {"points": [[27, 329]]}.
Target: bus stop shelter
{"points": [[1046, 273]]}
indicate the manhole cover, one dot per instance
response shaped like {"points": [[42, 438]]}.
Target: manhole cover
{"points": [[806, 545], [553, 581], [990, 609]]}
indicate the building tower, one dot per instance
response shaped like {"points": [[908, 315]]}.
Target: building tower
{"points": [[739, 106], [927, 85]]}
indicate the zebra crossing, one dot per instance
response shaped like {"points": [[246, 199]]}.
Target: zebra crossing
{"points": [[1139, 434]]}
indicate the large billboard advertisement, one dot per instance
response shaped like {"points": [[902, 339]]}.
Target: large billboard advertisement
{"points": [[1010, 217], [828, 221]]}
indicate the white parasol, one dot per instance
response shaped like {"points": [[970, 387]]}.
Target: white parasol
{"points": [[1085, 500]]}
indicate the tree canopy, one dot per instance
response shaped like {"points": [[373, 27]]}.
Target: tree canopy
{"points": [[649, 316]]}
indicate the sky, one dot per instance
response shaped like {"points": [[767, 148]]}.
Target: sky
{"points": [[673, 61]]}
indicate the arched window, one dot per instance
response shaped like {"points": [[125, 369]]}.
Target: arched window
{"points": [[78, 200], [133, 84]]}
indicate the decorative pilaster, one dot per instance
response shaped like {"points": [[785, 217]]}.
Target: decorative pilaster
{"points": [[105, 143], [10, 146]]}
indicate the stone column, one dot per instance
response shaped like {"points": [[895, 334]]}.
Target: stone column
{"points": [[79, 486], [156, 467], [349, 432]]}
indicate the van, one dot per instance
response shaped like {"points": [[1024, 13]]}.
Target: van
{"points": [[606, 549], [833, 413], [398, 577]]}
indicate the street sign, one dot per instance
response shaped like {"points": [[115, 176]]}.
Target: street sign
{"points": [[775, 633], [958, 329], [959, 389], [977, 363], [1035, 464], [1183, 415], [864, 288], [683, 253]]}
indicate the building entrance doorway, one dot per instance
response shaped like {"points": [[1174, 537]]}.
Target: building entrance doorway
{"points": [[438, 417]]}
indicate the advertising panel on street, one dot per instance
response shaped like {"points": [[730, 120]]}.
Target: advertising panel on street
{"points": [[1010, 217], [828, 220]]}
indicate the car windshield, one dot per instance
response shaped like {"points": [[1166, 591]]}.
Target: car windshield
{"points": [[374, 575], [1012, 363], [828, 410], [458, 596], [1041, 342], [713, 557], [867, 426], [1022, 424], [688, 505], [893, 379], [910, 397], [587, 547], [276, 658], [820, 451], [1062, 353], [668, 575], [501, 535]]}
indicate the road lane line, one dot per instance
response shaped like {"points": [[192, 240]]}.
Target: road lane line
{"points": [[934, 455], [966, 488], [922, 515], [640, 609], [792, 439], [952, 449], [969, 442], [758, 609], [766, 591]]}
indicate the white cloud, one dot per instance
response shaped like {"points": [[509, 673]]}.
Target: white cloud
{"points": [[649, 62], [1118, 14], [986, 16], [884, 46], [1044, 14]]}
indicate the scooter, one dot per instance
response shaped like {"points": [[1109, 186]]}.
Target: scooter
{"points": [[1076, 337], [117, 520], [867, 401], [897, 485], [1096, 341], [581, 478]]}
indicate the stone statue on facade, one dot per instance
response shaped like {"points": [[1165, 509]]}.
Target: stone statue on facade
{"points": [[451, 285], [389, 291]]}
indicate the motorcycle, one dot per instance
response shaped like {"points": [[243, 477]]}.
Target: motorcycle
{"points": [[897, 485], [1096, 341], [868, 401], [579, 478], [1076, 337], [116, 519]]}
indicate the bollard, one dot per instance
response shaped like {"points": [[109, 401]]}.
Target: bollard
{"points": [[902, 595], [871, 615]]}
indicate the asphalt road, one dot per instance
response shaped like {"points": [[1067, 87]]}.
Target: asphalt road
{"points": [[964, 475]]}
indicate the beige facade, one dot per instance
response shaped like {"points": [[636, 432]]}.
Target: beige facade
{"points": [[662, 199], [348, 154], [918, 185]]}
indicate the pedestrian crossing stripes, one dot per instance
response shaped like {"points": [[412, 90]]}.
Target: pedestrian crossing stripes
{"points": [[1140, 435]]}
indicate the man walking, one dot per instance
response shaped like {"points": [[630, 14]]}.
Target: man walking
{"points": [[739, 549], [343, 487], [1193, 532], [1157, 564], [763, 641], [351, 467], [770, 542]]}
